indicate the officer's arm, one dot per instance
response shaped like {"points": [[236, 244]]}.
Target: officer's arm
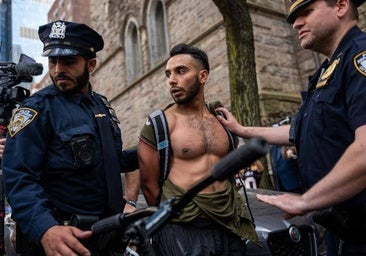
{"points": [[345, 180], [273, 135], [23, 175], [149, 172], [129, 159]]}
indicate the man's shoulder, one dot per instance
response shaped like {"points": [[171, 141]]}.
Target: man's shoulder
{"points": [[358, 40], [38, 98], [100, 95], [147, 133]]}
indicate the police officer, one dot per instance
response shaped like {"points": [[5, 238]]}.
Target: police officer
{"points": [[63, 158], [330, 128]]}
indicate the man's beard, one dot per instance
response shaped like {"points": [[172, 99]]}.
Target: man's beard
{"points": [[192, 93], [81, 82]]}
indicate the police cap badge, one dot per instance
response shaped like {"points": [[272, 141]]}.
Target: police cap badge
{"points": [[63, 38]]}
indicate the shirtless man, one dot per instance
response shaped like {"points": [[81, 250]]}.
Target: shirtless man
{"points": [[217, 221]]}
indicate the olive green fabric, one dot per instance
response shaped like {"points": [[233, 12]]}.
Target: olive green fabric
{"points": [[212, 105], [147, 132], [226, 207]]}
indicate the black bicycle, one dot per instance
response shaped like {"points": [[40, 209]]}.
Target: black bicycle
{"points": [[114, 234]]}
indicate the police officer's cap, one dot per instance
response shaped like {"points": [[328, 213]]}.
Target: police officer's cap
{"points": [[297, 4], [63, 38]]}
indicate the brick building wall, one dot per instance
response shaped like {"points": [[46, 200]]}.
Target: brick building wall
{"points": [[72, 10], [282, 66]]}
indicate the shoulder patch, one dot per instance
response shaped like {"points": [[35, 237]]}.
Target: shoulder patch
{"points": [[20, 119], [360, 62]]}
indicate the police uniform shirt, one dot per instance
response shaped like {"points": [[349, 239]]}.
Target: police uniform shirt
{"points": [[39, 165], [333, 108]]}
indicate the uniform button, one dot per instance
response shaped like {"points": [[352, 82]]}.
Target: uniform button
{"points": [[305, 115]]}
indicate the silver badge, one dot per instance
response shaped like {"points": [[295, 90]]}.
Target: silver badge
{"points": [[58, 30]]}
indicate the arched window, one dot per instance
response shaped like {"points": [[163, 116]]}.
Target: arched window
{"points": [[132, 52], [157, 31]]}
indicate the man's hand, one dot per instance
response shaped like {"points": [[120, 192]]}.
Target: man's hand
{"points": [[64, 240], [129, 208]]}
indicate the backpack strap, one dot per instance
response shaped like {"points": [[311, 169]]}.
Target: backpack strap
{"points": [[161, 132], [232, 138]]}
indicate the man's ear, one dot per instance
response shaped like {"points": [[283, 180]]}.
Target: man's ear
{"points": [[203, 75], [92, 64], [343, 6]]}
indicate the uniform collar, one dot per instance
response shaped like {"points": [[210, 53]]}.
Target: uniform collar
{"points": [[81, 98], [352, 33]]}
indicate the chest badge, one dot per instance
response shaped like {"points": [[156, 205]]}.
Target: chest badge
{"points": [[360, 62], [20, 119], [327, 74]]}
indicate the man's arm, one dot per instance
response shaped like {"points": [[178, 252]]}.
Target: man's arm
{"points": [[273, 135], [149, 172], [345, 180], [132, 188]]}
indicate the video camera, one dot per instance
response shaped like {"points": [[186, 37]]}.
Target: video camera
{"points": [[12, 74]]}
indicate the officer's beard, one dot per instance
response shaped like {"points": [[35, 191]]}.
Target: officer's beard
{"points": [[81, 82]]}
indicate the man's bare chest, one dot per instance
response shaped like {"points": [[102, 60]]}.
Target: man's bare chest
{"points": [[194, 137]]}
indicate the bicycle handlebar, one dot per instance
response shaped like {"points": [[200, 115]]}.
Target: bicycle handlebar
{"points": [[121, 219]]}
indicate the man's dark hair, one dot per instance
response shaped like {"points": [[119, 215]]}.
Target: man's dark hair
{"points": [[195, 52]]}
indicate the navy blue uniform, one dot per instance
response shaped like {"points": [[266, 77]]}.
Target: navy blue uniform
{"points": [[331, 113], [334, 106], [42, 176]]}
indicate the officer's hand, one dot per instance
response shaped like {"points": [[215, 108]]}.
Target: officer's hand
{"points": [[64, 240], [292, 205], [229, 121]]}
